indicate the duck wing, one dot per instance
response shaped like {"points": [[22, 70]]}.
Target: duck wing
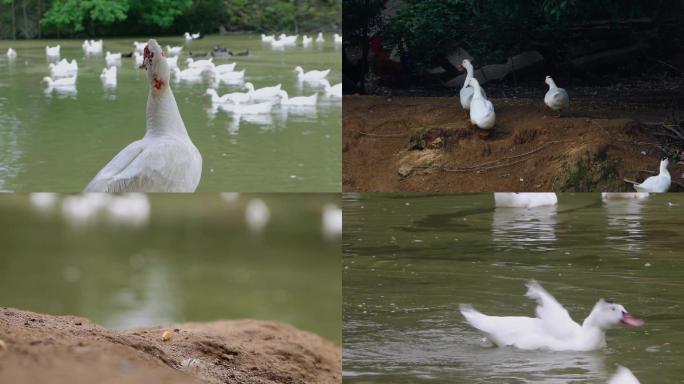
{"points": [[554, 318], [148, 165], [516, 331]]}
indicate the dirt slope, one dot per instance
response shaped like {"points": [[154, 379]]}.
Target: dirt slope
{"points": [[38, 348], [425, 145]]}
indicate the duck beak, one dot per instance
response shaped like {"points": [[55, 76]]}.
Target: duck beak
{"points": [[629, 320]]}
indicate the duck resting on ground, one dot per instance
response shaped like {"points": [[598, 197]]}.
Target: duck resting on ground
{"points": [[556, 98], [165, 159], [482, 113], [553, 328], [658, 184]]}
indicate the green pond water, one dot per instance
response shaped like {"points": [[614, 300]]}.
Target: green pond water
{"points": [[410, 260], [59, 141], [195, 259]]}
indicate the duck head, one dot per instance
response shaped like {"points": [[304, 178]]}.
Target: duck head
{"points": [[663, 164], [299, 70], [607, 314], [466, 65], [154, 62]]}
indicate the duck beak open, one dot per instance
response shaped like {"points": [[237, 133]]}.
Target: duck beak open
{"points": [[629, 320]]}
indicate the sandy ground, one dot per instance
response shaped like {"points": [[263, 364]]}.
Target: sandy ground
{"points": [[424, 144], [38, 348]]}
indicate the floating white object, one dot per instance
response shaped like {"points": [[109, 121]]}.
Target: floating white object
{"points": [[623, 376], [314, 75], [265, 93], [332, 91], [332, 221], [11, 53], [52, 51], [552, 329], [257, 215], [338, 38], [173, 51], [320, 38], [524, 199], [299, 100], [165, 159]]}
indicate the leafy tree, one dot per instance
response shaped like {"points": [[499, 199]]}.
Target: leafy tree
{"points": [[73, 14], [161, 13]]}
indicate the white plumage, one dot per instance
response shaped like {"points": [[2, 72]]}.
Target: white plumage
{"points": [[299, 100], [467, 92], [265, 93], [556, 98], [525, 199], [481, 110], [553, 328], [623, 376], [165, 159], [659, 183]]}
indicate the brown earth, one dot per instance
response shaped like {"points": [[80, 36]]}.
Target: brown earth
{"points": [[39, 348], [424, 144]]}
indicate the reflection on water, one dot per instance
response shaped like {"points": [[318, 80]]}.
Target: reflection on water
{"points": [[531, 229], [86, 118], [136, 260], [410, 260], [624, 223]]}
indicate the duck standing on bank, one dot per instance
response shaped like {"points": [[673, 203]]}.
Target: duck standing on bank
{"points": [[165, 159], [553, 328], [658, 184], [467, 92], [481, 110], [556, 98]]}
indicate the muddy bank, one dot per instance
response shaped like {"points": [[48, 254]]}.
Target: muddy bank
{"points": [[38, 348], [425, 144]]}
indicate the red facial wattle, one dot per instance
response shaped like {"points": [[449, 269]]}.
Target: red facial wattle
{"points": [[158, 83], [630, 320], [147, 58]]}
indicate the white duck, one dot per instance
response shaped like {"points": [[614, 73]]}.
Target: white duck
{"points": [[556, 98], [225, 68], [267, 38], [172, 62], [300, 101], [92, 46], [658, 184], [203, 64], [265, 93], [11, 53], [524, 200], [52, 51], [338, 38], [173, 51], [311, 76], [63, 68], [320, 38], [467, 92], [138, 59], [108, 75], [112, 58], [288, 40], [552, 329], [306, 40], [165, 159], [190, 37], [62, 82], [188, 73], [235, 97], [250, 109], [139, 47], [623, 376], [230, 76], [482, 112], [332, 91]]}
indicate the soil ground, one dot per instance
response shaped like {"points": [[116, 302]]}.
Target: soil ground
{"points": [[424, 144], [39, 348]]}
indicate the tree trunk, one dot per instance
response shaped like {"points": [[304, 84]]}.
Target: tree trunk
{"points": [[364, 57], [14, 22], [40, 17], [27, 33]]}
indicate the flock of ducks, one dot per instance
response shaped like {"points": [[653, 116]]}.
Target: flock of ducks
{"points": [[283, 41], [481, 111]]}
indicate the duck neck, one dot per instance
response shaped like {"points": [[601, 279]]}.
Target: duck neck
{"points": [[592, 332], [469, 75], [163, 116], [663, 170], [552, 84], [477, 91]]}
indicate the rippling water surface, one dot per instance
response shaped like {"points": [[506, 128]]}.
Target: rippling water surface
{"points": [[59, 140], [409, 260]]}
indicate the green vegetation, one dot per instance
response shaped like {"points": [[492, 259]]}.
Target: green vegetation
{"points": [[423, 31], [26, 19]]}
